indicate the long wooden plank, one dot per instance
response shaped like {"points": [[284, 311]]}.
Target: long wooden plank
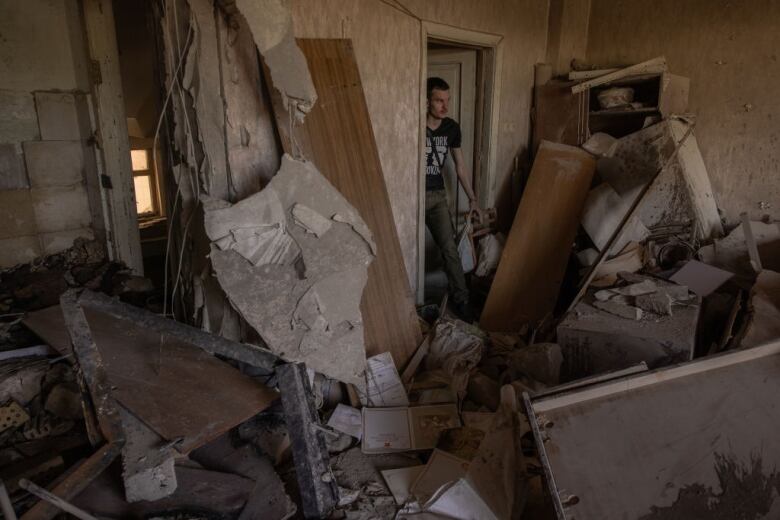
{"points": [[337, 136], [533, 263], [640, 68]]}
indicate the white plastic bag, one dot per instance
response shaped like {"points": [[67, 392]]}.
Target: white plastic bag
{"points": [[468, 257]]}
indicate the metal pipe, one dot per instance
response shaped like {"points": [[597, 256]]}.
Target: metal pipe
{"points": [[54, 500]]}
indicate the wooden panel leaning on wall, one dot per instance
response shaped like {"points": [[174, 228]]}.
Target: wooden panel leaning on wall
{"points": [[533, 263], [338, 138]]}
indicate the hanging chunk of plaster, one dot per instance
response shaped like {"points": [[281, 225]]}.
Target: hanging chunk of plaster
{"points": [[271, 24], [314, 316]]}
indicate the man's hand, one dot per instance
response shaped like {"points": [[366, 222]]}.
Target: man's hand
{"points": [[474, 209]]}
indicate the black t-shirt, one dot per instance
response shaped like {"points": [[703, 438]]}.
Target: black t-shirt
{"points": [[437, 144]]}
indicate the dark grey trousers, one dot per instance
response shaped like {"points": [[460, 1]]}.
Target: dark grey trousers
{"points": [[438, 220]]}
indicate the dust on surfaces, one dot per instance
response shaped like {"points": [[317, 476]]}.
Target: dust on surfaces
{"points": [[747, 493]]}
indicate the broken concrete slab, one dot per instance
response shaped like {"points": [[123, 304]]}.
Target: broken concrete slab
{"points": [[147, 462], [271, 24], [311, 286], [620, 309], [657, 303], [637, 289]]}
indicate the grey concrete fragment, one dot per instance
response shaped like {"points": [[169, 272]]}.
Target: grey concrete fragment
{"points": [[270, 22], [310, 308], [310, 220], [620, 309], [657, 303], [678, 293], [636, 289], [147, 470], [604, 295]]}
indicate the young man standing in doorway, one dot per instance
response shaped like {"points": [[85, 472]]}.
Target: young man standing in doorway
{"points": [[442, 137]]}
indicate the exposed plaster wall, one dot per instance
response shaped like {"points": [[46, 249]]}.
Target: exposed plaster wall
{"points": [[45, 160], [729, 50], [387, 47]]}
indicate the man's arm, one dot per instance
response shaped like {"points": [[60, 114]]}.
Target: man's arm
{"points": [[460, 169]]}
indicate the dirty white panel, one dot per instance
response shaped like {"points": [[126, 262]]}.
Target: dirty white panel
{"points": [[695, 441]]}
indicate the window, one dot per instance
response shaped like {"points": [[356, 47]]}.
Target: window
{"points": [[146, 198]]}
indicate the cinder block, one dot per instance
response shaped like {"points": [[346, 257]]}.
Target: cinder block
{"points": [[62, 116], [61, 240], [54, 163], [61, 208], [16, 214], [12, 174], [18, 250], [18, 119]]}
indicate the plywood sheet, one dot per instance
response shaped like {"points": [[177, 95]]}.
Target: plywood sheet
{"points": [[338, 138], [177, 389], [533, 263], [694, 441]]}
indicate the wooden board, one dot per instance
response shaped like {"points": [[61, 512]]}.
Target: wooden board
{"points": [[338, 138], [533, 263], [175, 388], [694, 441]]}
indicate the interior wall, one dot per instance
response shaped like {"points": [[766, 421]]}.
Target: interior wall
{"points": [[729, 50], [567, 33], [387, 47], [45, 158]]}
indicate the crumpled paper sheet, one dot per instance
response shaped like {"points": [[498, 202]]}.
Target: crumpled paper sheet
{"points": [[300, 290], [455, 349]]}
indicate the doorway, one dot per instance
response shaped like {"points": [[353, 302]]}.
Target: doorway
{"points": [[470, 64], [136, 43]]}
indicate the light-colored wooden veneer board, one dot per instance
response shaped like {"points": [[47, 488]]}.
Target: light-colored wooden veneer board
{"points": [[525, 288], [338, 138]]}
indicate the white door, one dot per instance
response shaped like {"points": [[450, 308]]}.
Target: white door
{"points": [[458, 67]]}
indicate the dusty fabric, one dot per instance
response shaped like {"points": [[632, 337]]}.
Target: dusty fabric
{"points": [[299, 289], [456, 349]]}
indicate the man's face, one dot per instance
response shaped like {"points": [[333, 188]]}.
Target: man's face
{"points": [[438, 105]]}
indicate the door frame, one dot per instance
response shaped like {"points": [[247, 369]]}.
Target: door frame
{"points": [[489, 52]]}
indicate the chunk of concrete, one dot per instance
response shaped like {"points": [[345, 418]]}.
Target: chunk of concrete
{"points": [[54, 163], [678, 293], [620, 309], [147, 464], [657, 303], [637, 289]]}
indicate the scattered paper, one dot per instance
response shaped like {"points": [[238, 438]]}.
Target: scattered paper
{"points": [[701, 278], [387, 430], [400, 481], [441, 468], [383, 384], [347, 420]]}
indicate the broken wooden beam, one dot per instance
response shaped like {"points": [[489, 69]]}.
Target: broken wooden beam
{"points": [[645, 67], [211, 343], [319, 492], [54, 500]]}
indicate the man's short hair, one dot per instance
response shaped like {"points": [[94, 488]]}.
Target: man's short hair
{"points": [[438, 84]]}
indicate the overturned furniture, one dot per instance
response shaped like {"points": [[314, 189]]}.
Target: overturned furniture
{"points": [[697, 440]]}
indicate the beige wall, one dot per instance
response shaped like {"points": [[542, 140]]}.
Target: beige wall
{"points": [[387, 46], [731, 52], [44, 122]]}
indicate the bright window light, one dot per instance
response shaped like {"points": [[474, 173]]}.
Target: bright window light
{"points": [[140, 160], [143, 194]]}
